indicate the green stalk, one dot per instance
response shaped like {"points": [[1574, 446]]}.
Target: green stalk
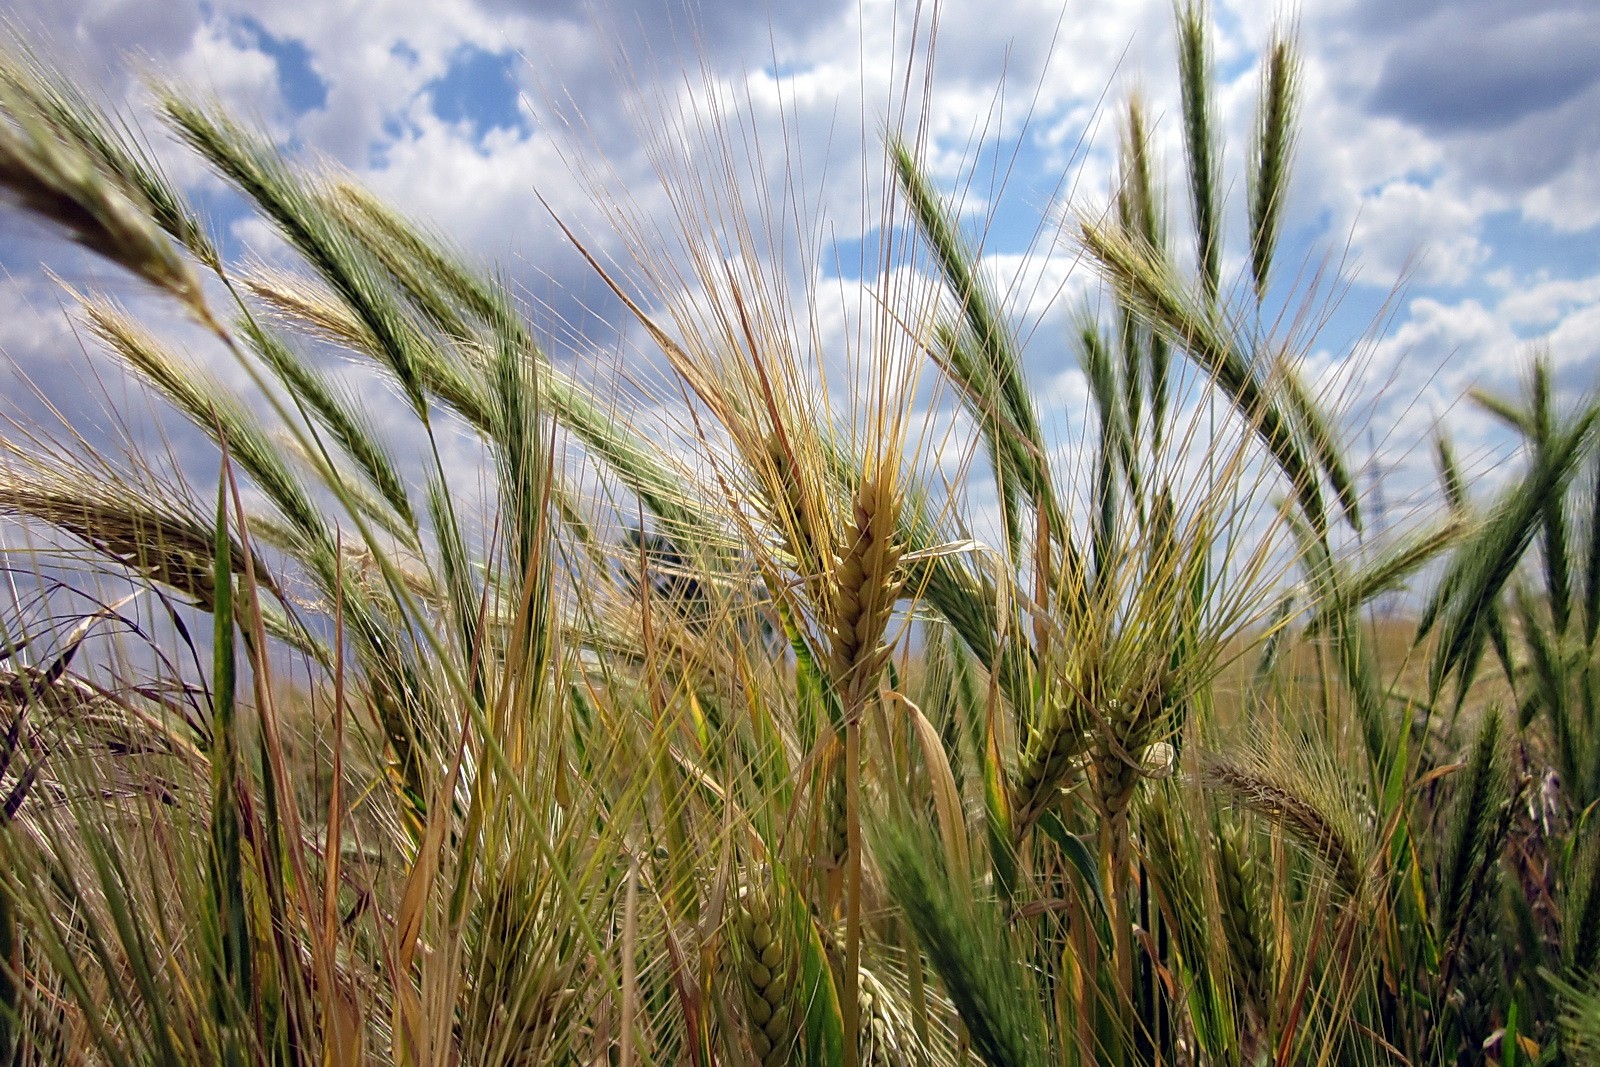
{"points": [[852, 938], [232, 985], [10, 968]]}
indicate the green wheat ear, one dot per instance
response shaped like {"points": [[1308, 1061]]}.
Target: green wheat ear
{"points": [[61, 161], [1474, 843], [1271, 148], [1200, 141], [966, 939]]}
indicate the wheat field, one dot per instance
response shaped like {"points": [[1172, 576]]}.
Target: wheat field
{"points": [[740, 737]]}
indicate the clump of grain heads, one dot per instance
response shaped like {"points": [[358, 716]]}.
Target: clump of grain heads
{"points": [[526, 705], [1118, 761], [52, 165], [1053, 752]]}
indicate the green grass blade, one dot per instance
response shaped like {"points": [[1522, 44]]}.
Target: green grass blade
{"points": [[1473, 843]]}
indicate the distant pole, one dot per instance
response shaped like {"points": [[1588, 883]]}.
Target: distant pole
{"points": [[1373, 538]]}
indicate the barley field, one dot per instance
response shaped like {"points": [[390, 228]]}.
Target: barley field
{"points": [[732, 735]]}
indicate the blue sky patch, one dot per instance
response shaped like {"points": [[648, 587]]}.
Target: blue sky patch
{"points": [[302, 87], [1527, 246], [479, 88]]}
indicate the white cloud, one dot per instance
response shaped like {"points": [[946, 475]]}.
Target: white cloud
{"points": [[1542, 301], [242, 78], [1570, 201], [1575, 350], [1421, 232]]}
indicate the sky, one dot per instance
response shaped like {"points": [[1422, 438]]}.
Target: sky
{"points": [[1445, 182]]}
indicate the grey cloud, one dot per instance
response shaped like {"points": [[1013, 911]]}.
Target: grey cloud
{"points": [[669, 31], [94, 37], [1453, 74], [1540, 146], [1509, 91], [1394, 16]]}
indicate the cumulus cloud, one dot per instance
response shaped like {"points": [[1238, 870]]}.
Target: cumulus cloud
{"points": [[1513, 91], [1407, 228], [1422, 119]]}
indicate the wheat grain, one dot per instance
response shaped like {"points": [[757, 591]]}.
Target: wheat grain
{"points": [[767, 968]]}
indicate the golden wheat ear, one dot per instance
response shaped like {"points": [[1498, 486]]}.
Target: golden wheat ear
{"points": [[866, 586]]}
